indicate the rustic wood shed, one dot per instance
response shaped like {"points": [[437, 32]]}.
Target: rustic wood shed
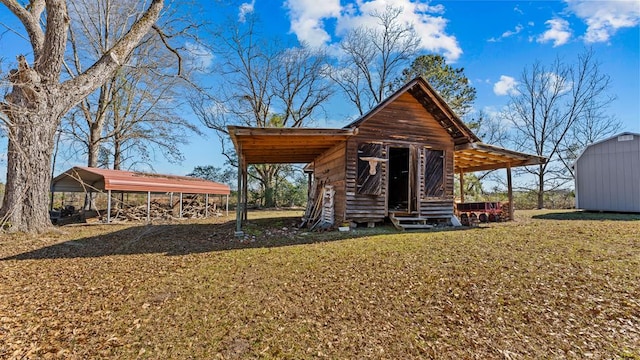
{"points": [[607, 175], [399, 159], [87, 179]]}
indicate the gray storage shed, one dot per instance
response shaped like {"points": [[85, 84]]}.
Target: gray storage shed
{"points": [[607, 175]]}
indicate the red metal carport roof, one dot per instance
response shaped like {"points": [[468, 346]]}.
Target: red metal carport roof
{"points": [[84, 179]]}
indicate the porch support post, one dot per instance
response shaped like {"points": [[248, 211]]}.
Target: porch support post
{"points": [[180, 205], [510, 192], [206, 205], [461, 186], [239, 212], [227, 205], [148, 206], [108, 206], [245, 191]]}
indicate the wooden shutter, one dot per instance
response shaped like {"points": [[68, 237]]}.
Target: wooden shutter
{"points": [[368, 184], [434, 173]]}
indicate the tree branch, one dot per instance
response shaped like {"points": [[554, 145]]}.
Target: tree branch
{"points": [[163, 38], [85, 83], [30, 21]]}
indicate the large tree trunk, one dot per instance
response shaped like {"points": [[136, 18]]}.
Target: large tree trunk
{"points": [[38, 101], [541, 189], [29, 173], [117, 153]]}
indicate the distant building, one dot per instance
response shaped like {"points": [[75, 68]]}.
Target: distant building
{"points": [[607, 175]]}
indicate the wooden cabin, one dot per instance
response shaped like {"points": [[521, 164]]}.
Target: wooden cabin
{"points": [[397, 161]]}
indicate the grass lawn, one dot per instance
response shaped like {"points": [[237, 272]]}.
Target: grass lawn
{"points": [[553, 284]]}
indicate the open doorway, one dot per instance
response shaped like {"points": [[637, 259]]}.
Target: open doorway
{"points": [[398, 190]]}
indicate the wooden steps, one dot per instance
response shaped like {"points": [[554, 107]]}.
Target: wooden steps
{"points": [[409, 222]]}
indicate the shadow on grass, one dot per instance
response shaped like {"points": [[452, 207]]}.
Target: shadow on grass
{"points": [[588, 215], [183, 239]]}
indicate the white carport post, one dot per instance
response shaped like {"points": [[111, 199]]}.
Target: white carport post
{"points": [[180, 205], [227, 205], [108, 206], [148, 206], [206, 205]]}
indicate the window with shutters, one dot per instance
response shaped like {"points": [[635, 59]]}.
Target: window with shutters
{"points": [[434, 173], [369, 169]]}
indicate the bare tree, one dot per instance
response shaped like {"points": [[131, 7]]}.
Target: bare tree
{"points": [[39, 99], [374, 57], [551, 103], [143, 116], [146, 90], [595, 125], [263, 84]]}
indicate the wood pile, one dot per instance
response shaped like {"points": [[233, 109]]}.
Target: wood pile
{"points": [[192, 208], [504, 216]]}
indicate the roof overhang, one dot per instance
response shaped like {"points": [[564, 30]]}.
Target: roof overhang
{"points": [[479, 156], [285, 145], [86, 179]]}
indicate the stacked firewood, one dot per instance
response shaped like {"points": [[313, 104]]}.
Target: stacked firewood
{"points": [[191, 208], [504, 216]]}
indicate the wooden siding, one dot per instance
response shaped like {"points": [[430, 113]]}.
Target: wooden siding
{"points": [[402, 123], [329, 168]]}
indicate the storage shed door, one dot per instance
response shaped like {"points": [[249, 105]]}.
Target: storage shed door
{"points": [[369, 169]]}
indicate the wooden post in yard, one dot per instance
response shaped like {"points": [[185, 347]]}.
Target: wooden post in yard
{"points": [[245, 191], [239, 212], [461, 186], [510, 192]]}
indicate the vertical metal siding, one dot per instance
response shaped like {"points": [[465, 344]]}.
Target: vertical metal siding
{"points": [[608, 176]]}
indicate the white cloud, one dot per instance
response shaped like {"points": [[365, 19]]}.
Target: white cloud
{"points": [[506, 86], [245, 8], [508, 33], [199, 57], [425, 19], [559, 32], [515, 31], [308, 19], [604, 18]]}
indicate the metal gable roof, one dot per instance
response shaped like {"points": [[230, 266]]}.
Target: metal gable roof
{"points": [[83, 179]]}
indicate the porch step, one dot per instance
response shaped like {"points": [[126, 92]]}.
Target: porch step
{"points": [[416, 226], [409, 222]]}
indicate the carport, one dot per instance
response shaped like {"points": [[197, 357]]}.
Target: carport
{"points": [[90, 180]]}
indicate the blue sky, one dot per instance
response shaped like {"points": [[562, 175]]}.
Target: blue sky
{"points": [[492, 40]]}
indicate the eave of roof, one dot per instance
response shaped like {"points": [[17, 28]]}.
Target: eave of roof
{"points": [[83, 179], [285, 145], [480, 157]]}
